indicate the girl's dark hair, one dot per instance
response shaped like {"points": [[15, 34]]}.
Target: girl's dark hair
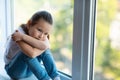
{"points": [[35, 18], [41, 15]]}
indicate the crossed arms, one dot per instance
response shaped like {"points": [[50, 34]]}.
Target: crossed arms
{"points": [[30, 46]]}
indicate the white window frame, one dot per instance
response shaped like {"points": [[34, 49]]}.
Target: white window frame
{"points": [[7, 19], [83, 39], [6, 28], [9, 16]]}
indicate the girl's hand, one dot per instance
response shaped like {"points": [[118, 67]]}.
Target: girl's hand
{"points": [[17, 36]]}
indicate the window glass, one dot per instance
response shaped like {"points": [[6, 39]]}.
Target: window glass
{"points": [[61, 37], [2, 37], [107, 42]]}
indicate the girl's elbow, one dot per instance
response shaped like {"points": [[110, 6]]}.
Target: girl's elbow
{"points": [[46, 47], [43, 47], [32, 55]]}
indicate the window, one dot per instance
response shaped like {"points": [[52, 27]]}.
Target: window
{"points": [[107, 42], [5, 30], [5, 24], [61, 38]]}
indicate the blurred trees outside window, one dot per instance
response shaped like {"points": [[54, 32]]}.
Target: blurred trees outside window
{"points": [[107, 43], [61, 37]]}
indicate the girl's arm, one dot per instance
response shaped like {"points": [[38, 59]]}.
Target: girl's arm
{"points": [[42, 45], [29, 50], [35, 42]]}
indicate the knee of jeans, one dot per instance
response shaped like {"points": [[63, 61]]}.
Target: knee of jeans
{"points": [[46, 52], [24, 57], [17, 75]]}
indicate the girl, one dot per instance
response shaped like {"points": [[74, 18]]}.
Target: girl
{"points": [[28, 46]]}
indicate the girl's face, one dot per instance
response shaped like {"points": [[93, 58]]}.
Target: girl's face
{"points": [[40, 30]]}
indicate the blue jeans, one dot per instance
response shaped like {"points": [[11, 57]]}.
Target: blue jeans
{"points": [[23, 66]]}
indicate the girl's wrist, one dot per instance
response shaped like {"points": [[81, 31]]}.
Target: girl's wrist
{"points": [[23, 36]]}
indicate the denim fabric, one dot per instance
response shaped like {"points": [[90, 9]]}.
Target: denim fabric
{"points": [[23, 66]]}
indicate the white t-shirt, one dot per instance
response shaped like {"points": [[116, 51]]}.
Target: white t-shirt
{"points": [[11, 48]]}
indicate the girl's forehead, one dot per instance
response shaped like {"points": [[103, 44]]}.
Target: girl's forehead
{"points": [[44, 23]]}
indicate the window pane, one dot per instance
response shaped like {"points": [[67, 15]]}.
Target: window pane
{"points": [[61, 38], [107, 45]]}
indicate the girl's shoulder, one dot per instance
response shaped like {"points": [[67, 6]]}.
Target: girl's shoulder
{"points": [[20, 29]]}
